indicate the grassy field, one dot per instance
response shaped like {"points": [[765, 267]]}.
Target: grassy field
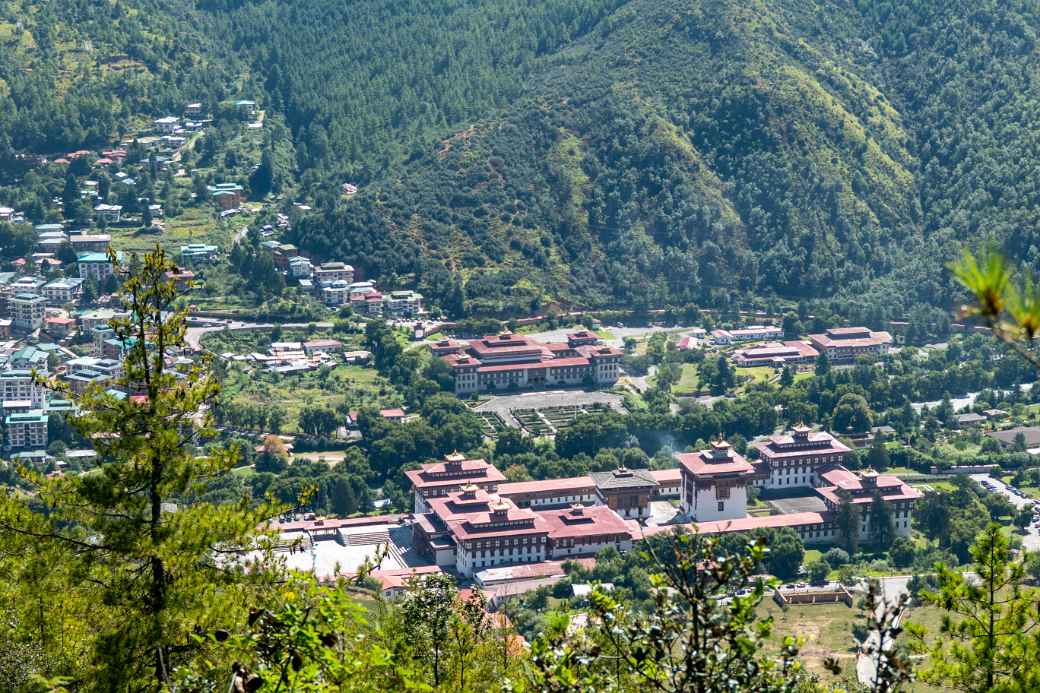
{"points": [[246, 341], [356, 385], [689, 382], [826, 631], [192, 225]]}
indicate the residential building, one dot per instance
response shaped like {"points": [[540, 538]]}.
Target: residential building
{"points": [[626, 491], [226, 195], [328, 272], [90, 243], [181, 278], [31, 357], [844, 344], [402, 304], [96, 266], [796, 459], [167, 125], [300, 267], [198, 253], [335, 293], [27, 311], [18, 384], [510, 361], [27, 429], [110, 214], [714, 483], [62, 291], [58, 326]]}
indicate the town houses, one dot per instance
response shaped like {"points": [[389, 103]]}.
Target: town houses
{"points": [[467, 517], [511, 361]]}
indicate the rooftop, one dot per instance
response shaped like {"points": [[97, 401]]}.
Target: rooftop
{"points": [[624, 478]]}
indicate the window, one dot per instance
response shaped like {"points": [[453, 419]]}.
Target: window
{"points": [[722, 506]]}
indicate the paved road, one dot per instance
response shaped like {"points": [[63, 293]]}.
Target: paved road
{"points": [[193, 335], [1031, 541], [892, 588]]}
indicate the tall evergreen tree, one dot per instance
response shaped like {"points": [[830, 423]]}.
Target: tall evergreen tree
{"points": [[148, 564]]}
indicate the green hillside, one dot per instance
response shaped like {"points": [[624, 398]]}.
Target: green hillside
{"points": [[76, 73], [676, 150], [590, 152]]}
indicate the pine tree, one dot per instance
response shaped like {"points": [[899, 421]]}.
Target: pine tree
{"points": [[986, 640], [148, 565]]}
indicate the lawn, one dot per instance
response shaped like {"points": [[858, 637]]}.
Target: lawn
{"points": [[247, 341], [689, 382], [826, 631], [356, 385]]}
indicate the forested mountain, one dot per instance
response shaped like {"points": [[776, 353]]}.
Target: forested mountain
{"points": [[600, 152], [798, 148], [75, 73]]}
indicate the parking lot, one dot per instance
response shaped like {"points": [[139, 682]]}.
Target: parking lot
{"points": [[1031, 540]]}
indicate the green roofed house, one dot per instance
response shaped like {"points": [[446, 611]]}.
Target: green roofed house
{"points": [[196, 253], [26, 429], [226, 195], [96, 266]]}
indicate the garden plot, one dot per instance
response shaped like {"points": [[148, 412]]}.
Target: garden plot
{"points": [[550, 420]]}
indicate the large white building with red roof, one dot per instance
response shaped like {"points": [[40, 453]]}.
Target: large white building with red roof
{"points": [[776, 355], [468, 518], [861, 489], [843, 344], [714, 483], [510, 361], [438, 479], [471, 530], [793, 460]]}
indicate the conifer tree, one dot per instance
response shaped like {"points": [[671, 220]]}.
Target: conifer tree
{"points": [[151, 567]]}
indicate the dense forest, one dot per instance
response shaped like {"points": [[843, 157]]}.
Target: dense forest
{"points": [[590, 153]]}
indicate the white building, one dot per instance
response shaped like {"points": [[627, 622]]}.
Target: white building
{"points": [[27, 429], [714, 483], [27, 311]]}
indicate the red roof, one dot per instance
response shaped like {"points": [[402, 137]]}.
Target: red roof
{"points": [[485, 516], [537, 365], [785, 446], [392, 413], [398, 578], [665, 476], [707, 463], [745, 524], [569, 485], [438, 474], [581, 521]]}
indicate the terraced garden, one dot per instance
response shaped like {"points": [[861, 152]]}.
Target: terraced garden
{"points": [[550, 420]]}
